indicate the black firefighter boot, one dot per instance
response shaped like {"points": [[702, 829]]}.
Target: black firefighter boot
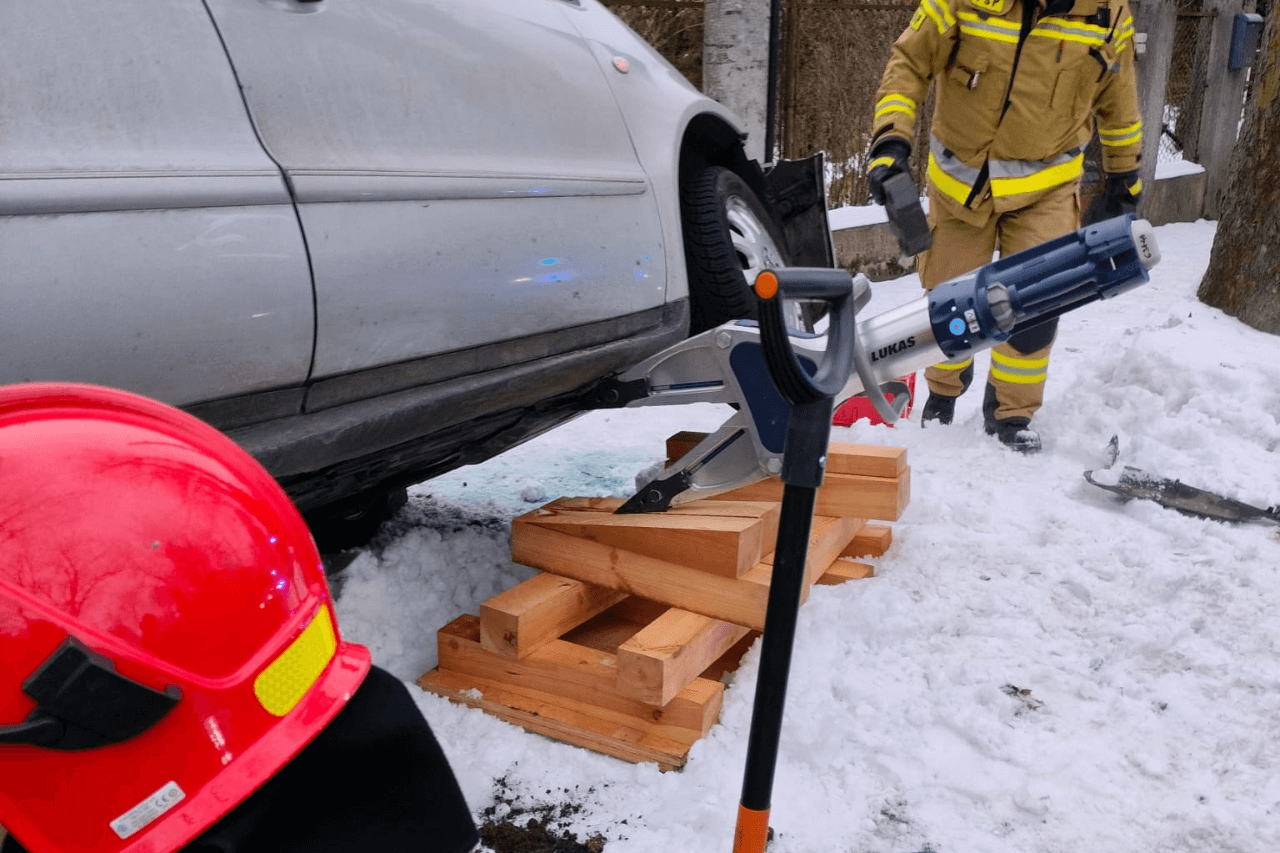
{"points": [[938, 407], [1014, 433]]}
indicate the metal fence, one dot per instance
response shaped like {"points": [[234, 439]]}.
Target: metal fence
{"points": [[833, 53]]}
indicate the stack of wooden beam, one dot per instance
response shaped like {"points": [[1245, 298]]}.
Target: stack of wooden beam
{"points": [[620, 643]]}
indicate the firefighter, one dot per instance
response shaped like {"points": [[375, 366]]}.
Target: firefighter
{"points": [[172, 675], [1020, 86]]}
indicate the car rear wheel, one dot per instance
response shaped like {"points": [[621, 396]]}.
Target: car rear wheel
{"points": [[352, 522], [729, 239]]}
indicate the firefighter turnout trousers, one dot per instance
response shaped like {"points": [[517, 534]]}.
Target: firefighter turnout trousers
{"points": [[1020, 365]]}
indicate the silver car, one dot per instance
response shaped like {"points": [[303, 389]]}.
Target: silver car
{"points": [[371, 240]]}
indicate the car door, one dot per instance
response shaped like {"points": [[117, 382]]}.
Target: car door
{"points": [[147, 240], [462, 173]]}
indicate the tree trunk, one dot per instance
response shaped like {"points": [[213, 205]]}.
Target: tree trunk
{"points": [[1243, 278]]}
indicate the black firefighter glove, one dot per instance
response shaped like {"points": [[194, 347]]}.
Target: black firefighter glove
{"points": [[1121, 195], [889, 179], [888, 158]]}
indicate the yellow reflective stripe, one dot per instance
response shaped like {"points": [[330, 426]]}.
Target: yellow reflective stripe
{"points": [[1136, 187], [1019, 363], [991, 29], [1017, 379], [954, 365], [1132, 139], [997, 373], [946, 184], [1122, 135], [1019, 371], [895, 104], [880, 161], [1060, 29], [940, 13], [1124, 33], [1051, 176]]}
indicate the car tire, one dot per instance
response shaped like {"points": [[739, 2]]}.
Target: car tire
{"points": [[352, 522], [729, 238]]}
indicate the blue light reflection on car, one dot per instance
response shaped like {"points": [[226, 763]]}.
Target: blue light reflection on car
{"points": [[558, 276]]}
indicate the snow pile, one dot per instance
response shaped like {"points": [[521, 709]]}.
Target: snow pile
{"points": [[1036, 665]]}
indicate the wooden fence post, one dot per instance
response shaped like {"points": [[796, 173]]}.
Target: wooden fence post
{"points": [[1223, 104], [1156, 23]]}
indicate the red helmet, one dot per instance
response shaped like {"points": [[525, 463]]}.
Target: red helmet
{"points": [[167, 637]]}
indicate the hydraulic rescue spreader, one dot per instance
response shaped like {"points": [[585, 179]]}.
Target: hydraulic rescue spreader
{"points": [[959, 317]]}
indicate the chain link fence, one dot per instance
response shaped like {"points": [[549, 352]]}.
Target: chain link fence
{"points": [[1186, 83]]}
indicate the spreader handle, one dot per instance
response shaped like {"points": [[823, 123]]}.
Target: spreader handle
{"points": [[832, 286]]}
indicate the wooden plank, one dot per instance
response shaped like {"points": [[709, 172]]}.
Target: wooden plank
{"points": [[670, 652], [581, 677], [845, 570], [536, 541], [872, 541], [638, 609], [867, 460], [519, 620], [738, 600], [723, 537], [852, 495], [599, 730], [608, 631], [681, 443], [830, 537], [730, 660], [827, 540]]}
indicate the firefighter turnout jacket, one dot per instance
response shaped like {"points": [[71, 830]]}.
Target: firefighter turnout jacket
{"points": [[1020, 87]]}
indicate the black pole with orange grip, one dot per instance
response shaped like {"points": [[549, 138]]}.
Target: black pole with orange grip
{"points": [[811, 397]]}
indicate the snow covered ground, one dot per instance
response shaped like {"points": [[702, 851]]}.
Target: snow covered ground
{"points": [[1035, 667]]}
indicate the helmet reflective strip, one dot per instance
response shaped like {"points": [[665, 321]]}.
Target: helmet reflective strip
{"points": [[286, 679]]}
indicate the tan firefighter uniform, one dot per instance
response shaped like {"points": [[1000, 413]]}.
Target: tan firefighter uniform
{"points": [[1018, 96]]}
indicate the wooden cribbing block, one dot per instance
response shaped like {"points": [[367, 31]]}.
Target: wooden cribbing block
{"points": [[681, 443], [723, 537], [732, 659], [581, 678], [872, 541], [539, 539], [616, 625], [824, 545], [657, 662], [851, 495], [519, 620], [845, 570], [536, 542], [597, 729], [868, 460], [862, 480]]}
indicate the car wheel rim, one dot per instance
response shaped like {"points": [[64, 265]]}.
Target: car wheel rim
{"points": [[757, 251], [752, 244]]}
